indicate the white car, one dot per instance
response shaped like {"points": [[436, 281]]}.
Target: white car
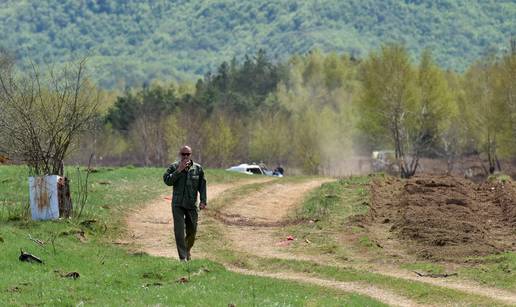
{"points": [[253, 169]]}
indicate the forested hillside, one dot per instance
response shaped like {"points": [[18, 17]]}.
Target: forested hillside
{"points": [[131, 41]]}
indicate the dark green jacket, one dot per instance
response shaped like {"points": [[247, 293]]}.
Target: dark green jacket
{"points": [[186, 185]]}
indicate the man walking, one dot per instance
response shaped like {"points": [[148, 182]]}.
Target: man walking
{"points": [[187, 179]]}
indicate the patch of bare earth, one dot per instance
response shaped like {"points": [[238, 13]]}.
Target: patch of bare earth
{"points": [[438, 218], [446, 218]]}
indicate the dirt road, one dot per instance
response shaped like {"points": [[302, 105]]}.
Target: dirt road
{"points": [[253, 224], [150, 228]]}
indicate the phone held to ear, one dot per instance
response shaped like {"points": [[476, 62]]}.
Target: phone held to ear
{"points": [[188, 164]]}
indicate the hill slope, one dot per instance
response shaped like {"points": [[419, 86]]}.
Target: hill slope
{"points": [[141, 40]]}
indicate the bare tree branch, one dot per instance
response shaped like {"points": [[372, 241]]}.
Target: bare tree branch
{"points": [[44, 113]]}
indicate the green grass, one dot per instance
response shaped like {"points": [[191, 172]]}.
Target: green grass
{"points": [[110, 275], [495, 270], [326, 202], [499, 178], [327, 209]]}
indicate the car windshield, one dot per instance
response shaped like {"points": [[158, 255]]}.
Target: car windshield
{"points": [[254, 170]]}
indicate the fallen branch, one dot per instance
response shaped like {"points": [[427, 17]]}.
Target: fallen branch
{"points": [[37, 241], [435, 275]]}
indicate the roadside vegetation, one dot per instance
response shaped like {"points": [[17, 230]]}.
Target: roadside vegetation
{"points": [[110, 274], [495, 270]]}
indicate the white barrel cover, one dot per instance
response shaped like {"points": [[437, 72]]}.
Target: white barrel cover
{"points": [[44, 202]]}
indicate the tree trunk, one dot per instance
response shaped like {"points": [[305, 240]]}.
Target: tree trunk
{"points": [[65, 200]]}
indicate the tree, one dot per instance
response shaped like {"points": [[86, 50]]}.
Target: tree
{"points": [[305, 141], [43, 114], [388, 105], [413, 104], [505, 95], [434, 106], [486, 117], [221, 141], [270, 139], [141, 115], [452, 132]]}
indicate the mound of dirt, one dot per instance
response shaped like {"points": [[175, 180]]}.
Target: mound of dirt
{"points": [[447, 218]]}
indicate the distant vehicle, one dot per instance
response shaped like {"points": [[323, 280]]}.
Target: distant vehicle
{"points": [[384, 161], [253, 169]]}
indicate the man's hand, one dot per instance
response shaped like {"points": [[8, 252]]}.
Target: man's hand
{"points": [[184, 164], [202, 206]]}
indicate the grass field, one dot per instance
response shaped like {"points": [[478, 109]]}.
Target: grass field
{"points": [[110, 275]]}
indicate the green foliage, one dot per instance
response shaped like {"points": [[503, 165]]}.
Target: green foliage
{"points": [[388, 93], [239, 88], [317, 94], [488, 107], [389, 105], [270, 138], [505, 94], [499, 178], [221, 141], [408, 106], [132, 41], [434, 103], [312, 112], [153, 101]]}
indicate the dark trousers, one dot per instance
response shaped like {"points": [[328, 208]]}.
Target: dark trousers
{"points": [[185, 228]]}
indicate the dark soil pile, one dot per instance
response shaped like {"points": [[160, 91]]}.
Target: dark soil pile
{"points": [[447, 218]]}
